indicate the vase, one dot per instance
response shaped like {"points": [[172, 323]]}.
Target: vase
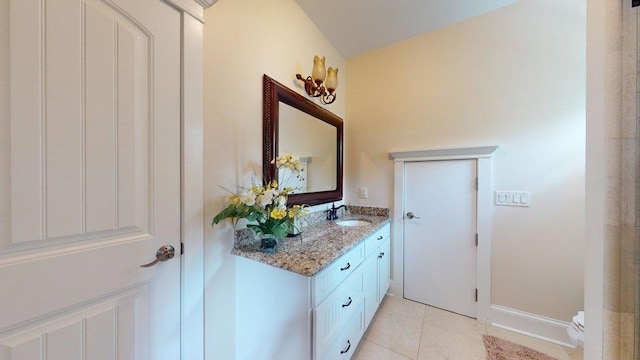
{"points": [[294, 228], [268, 243]]}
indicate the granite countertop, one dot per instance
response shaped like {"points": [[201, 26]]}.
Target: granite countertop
{"points": [[317, 246]]}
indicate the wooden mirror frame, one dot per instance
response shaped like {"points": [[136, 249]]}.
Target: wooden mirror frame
{"points": [[274, 93]]}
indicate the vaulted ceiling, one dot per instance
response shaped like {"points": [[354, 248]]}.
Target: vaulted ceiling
{"points": [[355, 27]]}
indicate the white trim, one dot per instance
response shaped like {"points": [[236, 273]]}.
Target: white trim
{"points": [[484, 217], [190, 7], [533, 325], [192, 162], [206, 3], [444, 154]]}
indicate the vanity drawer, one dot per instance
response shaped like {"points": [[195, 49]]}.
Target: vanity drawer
{"points": [[329, 278], [376, 239], [331, 315], [344, 344]]}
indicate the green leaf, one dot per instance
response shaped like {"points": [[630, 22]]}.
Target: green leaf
{"points": [[229, 212]]}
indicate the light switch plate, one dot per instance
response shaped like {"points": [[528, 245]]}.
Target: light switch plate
{"points": [[513, 198]]}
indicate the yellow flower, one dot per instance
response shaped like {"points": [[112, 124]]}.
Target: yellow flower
{"points": [[288, 161], [278, 214], [297, 210], [233, 199]]}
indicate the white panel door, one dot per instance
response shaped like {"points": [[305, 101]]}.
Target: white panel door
{"points": [[94, 181], [439, 243]]}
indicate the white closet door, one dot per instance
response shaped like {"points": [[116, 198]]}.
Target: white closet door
{"points": [[92, 188], [440, 248]]}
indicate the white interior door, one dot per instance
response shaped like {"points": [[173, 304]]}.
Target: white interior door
{"points": [[439, 234], [92, 187]]}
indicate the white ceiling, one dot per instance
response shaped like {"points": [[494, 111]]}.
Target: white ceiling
{"points": [[358, 26]]}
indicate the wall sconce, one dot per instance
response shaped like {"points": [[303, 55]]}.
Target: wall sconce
{"points": [[313, 84]]}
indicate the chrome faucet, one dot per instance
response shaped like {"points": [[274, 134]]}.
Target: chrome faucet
{"points": [[332, 214]]}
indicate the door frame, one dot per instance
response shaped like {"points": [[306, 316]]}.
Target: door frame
{"points": [[484, 215], [192, 177]]}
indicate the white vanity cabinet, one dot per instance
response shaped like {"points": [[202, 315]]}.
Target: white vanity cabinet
{"points": [[288, 316], [376, 270]]}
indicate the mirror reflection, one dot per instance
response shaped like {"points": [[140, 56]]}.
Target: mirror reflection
{"points": [[314, 142], [295, 125]]}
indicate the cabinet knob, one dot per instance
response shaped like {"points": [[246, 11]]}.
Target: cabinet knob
{"points": [[380, 255], [380, 237], [348, 302]]}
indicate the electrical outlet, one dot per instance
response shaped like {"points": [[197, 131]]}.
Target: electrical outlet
{"points": [[364, 193]]}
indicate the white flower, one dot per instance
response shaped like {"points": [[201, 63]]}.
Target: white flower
{"points": [[263, 200], [267, 197], [282, 202], [271, 193], [248, 198]]}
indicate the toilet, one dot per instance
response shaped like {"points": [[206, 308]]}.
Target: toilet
{"points": [[576, 329]]}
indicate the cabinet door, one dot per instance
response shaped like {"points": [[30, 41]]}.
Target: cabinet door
{"points": [[384, 263], [331, 315], [370, 287]]}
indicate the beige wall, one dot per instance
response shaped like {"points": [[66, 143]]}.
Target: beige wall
{"points": [[244, 40], [514, 78]]}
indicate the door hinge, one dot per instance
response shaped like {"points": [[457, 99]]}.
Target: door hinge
{"points": [[181, 248], [476, 239], [476, 183], [476, 294]]}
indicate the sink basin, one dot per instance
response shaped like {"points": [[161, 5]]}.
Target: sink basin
{"points": [[352, 222]]}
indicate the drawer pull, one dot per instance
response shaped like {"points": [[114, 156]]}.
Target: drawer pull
{"points": [[381, 255], [347, 349], [346, 267], [348, 302], [380, 237]]}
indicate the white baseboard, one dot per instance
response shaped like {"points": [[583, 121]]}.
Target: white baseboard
{"points": [[533, 325]]}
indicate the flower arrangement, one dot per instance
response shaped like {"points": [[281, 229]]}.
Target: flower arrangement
{"points": [[266, 205]]}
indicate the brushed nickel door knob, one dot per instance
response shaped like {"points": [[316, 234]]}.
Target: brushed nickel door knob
{"points": [[163, 254]]}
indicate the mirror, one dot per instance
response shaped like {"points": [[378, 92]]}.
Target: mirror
{"points": [[295, 125]]}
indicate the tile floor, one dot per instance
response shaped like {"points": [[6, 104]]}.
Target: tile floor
{"points": [[404, 329]]}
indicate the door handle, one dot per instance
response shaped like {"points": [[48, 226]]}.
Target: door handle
{"points": [[163, 254], [411, 216]]}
